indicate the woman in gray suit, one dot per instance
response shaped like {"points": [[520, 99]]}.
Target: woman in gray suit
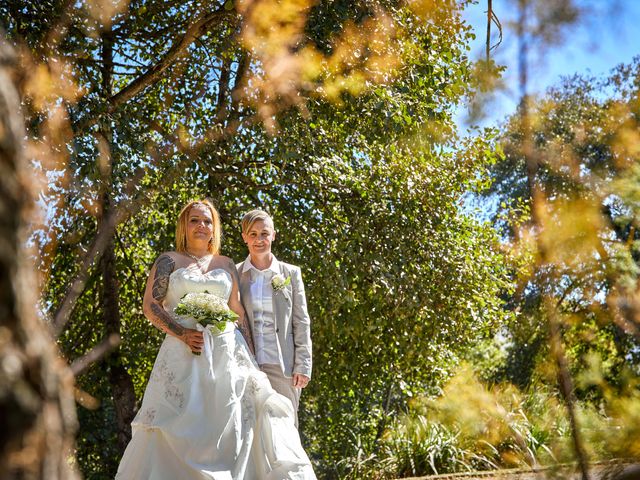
{"points": [[272, 293]]}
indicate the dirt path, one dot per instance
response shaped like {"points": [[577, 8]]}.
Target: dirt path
{"points": [[608, 471]]}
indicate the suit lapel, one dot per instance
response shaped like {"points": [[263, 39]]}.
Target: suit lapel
{"points": [[280, 302]]}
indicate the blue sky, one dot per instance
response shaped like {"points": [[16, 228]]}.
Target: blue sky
{"points": [[608, 36]]}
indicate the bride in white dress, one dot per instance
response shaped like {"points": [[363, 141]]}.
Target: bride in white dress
{"points": [[212, 415]]}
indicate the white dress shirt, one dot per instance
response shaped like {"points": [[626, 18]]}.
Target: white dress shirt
{"points": [[264, 328]]}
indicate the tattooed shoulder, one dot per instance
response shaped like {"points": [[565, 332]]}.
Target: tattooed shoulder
{"points": [[231, 266], [164, 266]]}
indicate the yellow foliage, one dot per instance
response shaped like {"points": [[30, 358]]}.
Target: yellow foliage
{"points": [[486, 417], [48, 84], [104, 11], [362, 55], [570, 230]]}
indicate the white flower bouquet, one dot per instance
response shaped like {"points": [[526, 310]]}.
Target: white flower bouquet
{"points": [[207, 309]]}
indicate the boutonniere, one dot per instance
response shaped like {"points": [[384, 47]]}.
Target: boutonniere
{"points": [[278, 282]]}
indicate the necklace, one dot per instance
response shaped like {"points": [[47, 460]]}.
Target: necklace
{"points": [[200, 261]]}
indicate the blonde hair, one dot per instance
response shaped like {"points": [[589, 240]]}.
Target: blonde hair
{"points": [[252, 217], [181, 227]]}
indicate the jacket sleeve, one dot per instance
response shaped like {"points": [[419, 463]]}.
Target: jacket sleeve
{"points": [[301, 326]]}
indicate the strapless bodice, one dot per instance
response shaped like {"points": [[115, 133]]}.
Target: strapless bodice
{"points": [[185, 280]]}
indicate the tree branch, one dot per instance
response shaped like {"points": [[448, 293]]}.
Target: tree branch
{"points": [[154, 73], [130, 206], [90, 259], [223, 88], [80, 365], [243, 68]]}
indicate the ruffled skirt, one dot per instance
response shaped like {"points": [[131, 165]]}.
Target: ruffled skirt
{"points": [[213, 416]]}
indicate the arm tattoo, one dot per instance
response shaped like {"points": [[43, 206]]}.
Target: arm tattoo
{"points": [[234, 272], [243, 324], [164, 267], [161, 319], [246, 333], [164, 322]]}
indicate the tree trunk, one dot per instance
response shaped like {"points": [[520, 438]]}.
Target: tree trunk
{"points": [[124, 398], [37, 408]]}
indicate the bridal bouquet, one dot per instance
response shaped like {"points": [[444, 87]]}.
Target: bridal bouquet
{"points": [[207, 309]]}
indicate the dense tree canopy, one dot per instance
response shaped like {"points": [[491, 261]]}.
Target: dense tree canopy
{"points": [[338, 122]]}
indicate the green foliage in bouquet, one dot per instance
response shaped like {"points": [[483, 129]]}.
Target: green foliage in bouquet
{"points": [[207, 309]]}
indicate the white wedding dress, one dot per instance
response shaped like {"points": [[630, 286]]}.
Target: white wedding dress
{"points": [[213, 416]]}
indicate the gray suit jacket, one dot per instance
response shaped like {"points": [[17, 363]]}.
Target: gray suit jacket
{"points": [[293, 325]]}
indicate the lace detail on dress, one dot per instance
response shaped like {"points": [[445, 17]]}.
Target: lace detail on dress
{"points": [[163, 374], [148, 416], [248, 403], [244, 361]]}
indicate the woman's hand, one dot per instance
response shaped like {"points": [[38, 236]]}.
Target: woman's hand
{"points": [[194, 339], [299, 380]]}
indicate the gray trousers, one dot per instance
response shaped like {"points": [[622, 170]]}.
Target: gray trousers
{"points": [[283, 385]]}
